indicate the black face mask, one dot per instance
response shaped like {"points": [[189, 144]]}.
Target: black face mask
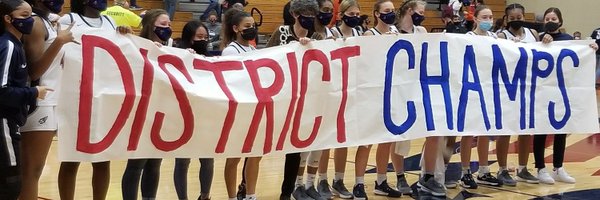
{"points": [[249, 33], [200, 46], [551, 27], [516, 25]]}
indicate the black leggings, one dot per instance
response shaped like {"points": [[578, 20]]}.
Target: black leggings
{"points": [[181, 171], [292, 165], [539, 143], [150, 177]]}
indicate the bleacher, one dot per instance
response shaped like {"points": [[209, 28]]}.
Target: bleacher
{"points": [[272, 11]]}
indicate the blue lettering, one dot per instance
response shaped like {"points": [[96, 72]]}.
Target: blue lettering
{"points": [[518, 80], [470, 65], [441, 80], [387, 91], [558, 124], [535, 73]]}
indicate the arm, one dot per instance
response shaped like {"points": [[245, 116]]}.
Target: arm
{"points": [[501, 35], [13, 96], [535, 34], [38, 59]]}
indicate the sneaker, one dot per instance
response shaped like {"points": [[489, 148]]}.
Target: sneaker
{"points": [[359, 192], [451, 184], [340, 189], [525, 176], [241, 194], [300, 193], [505, 178], [403, 186], [488, 179], [544, 177], [135, 7], [468, 182], [561, 175], [431, 186], [385, 190], [312, 193], [324, 189]]}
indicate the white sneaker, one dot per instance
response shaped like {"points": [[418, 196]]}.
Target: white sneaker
{"points": [[545, 177], [561, 175]]}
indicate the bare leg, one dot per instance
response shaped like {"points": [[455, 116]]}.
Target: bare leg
{"points": [[230, 173], [34, 150], [67, 177]]}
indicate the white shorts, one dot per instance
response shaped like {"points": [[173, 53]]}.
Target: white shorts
{"points": [[42, 119]]}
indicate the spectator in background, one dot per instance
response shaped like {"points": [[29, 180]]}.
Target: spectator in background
{"points": [[577, 35], [596, 36], [214, 5], [456, 26], [227, 4], [363, 24], [122, 16], [214, 31], [133, 5], [171, 7], [498, 25]]}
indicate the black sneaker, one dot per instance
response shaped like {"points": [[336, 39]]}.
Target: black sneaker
{"points": [[403, 186], [324, 189], [385, 190], [488, 179], [241, 194], [340, 189], [431, 186], [468, 182], [359, 192]]}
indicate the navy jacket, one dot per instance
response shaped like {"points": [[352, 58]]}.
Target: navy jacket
{"points": [[15, 95]]}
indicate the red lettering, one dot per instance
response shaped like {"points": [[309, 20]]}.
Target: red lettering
{"points": [[89, 43], [293, 65], [217, 69], [184, 106], [309, 56], [265, 101], [142, 109], [344, 54]]}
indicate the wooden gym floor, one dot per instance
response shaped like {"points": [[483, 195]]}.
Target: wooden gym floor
{"points": [[582, 161]]}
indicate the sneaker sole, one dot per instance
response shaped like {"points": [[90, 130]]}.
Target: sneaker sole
{"points": [[467, 186], [519, 179], [406, 191], [342, 196], [382, 193], [488, 183], [360, 198], [451, 186], [424, 189]]}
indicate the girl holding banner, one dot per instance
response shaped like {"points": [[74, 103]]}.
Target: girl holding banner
{"points": [[195, 37], [15, 95], [156, 26], [483, 18], [41, 127], [304, 12], [238, 30], [85, 14], [515, 31], [385, 18], [410, 16]]}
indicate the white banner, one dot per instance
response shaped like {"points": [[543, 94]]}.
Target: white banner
{"points": [[123, 97]]}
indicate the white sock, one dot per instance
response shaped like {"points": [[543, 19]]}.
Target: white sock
{"points": [[502, 168], [466, 170], [235, 198], [339, 176], [322, 176], [484, 170], [381, 178], [360, 180], [310, 180], [521, 167], [251, 197], [299, 180]]}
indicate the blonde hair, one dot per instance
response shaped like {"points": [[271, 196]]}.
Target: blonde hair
{"points": [[376, 8], [347, 4], [406, 5]]}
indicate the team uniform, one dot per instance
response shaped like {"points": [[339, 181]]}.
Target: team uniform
{"points": [[44, 118], [15, 98]]}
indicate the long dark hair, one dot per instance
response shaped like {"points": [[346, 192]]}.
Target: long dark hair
{"points": [[78, 6], [148, 23], [6, 8], [36, 8], [188, 33], [232, 17]]}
